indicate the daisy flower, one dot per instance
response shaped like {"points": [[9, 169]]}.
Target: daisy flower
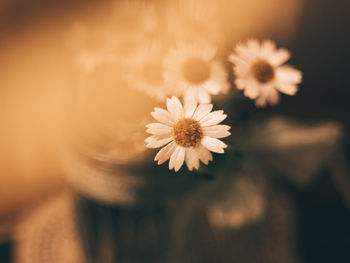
{"points": [[190, 71], [145, 71], [261, 74], [189, 133]]}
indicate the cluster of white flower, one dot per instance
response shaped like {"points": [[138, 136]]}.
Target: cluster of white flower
{"points": [[191, 72], [181, 65]]}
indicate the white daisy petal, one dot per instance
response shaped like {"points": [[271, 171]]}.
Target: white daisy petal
{"points": [[268, 95], [287, 74], [252, 90], [211, 87], [189, 108], [237, 59], [175, 108], [165, 153], [202, 110], [254, 46], [280, 56], [180, 159], [288, 89], [204, 154], [218, 81], [240, 83], [267, 48], [273, 97], [177, 158], [213, 144], [261, 102], [244, 52], [190, 93], [217, 131], [203, 96], [173, 157], [162, 116], [192, 159], [156, 142], [158, 128], [213, 118]]}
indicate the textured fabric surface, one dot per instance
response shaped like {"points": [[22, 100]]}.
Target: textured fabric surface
{"points": [[48, 234]]}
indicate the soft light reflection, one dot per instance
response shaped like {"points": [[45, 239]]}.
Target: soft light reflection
{"points": [[246, 205]]}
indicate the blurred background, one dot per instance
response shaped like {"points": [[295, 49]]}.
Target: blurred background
{"points": [[39, 40]]}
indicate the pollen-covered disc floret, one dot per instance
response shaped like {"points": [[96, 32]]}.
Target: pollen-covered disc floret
{"points": [[191, 71], [259, 72], [262, 71], [187, 134]]}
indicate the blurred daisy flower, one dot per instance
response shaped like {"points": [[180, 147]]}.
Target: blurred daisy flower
{"points": [[260, 73], [189, 133], [190, 71], [145, 71]]}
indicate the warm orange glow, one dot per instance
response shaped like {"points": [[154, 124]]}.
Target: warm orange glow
{"points": [[63, 74]]}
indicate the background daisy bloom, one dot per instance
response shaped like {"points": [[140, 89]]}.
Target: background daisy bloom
{"points": [[189, 71], [145, 71], [260, 73], [189, 133]]}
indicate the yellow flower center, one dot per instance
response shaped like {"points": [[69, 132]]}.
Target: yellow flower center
{"points": [[262, 71], [187, 132], [196, 70]]}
